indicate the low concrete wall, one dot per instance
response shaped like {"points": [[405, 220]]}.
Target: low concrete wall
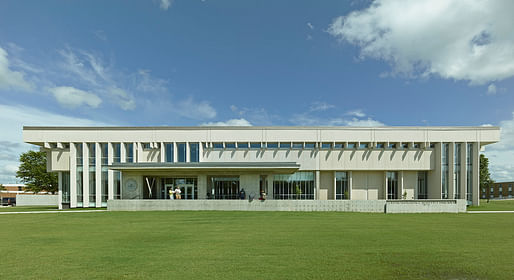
{"points": [[426, 206], [37, 200], [376, 206]]}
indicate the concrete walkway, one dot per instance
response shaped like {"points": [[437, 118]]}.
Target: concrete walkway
{"points": [[481, 212], [52, 211]]}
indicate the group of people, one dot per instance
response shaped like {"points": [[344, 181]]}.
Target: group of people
{"points": [[175, 193]]}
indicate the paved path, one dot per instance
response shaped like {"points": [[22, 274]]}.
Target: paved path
{"points": [[52, 211], [481, 212]]}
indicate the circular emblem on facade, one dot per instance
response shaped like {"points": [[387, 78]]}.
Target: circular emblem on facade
{"points": [[131, 185]]}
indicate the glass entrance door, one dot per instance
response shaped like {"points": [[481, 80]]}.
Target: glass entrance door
{"points": [[187, 191]]}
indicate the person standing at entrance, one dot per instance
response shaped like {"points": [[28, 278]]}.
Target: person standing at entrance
{"points": [[171, 192], [177, 193]]}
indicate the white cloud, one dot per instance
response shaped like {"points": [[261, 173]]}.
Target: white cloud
{"points": [[125, 101], [12, 120], [356, 113], [491, 89], [10, 79], [165, 4], [453, 39], [320, 106], [311, 120], [72, 97], [501, 154], [232, 122], [311, 27], [197, 110]]}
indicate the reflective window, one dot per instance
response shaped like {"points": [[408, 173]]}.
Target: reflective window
{"points": [[168, 149], [310, 145], [392, 146], [444, 170], [380, 145], [338, 145], [242, 145], [326, 145], [299, 185], [225, 187], [342, 191], [105, 153], [65, 177], [363, 145], [456, 170], [422, 185], [79, 176], [272, 145], [255, 145], [194, 152], [285, 145], [116, 152], [230, 145], [405, 145], [181, 155], [146, 146], [350, 146], [129, 154], [297, 145], [469, 172], [392, 185], [217, 145]]}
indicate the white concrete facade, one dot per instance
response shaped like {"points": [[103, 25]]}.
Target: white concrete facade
{"points": [[305, 163]]}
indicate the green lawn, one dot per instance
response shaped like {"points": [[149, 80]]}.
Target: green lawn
{"points": [[494, 205], [259, 245]]}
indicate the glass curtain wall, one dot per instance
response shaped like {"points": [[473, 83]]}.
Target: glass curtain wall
{"points": [[187, 186], [80, 179], [299, 185], [444, 170], [104, 174], [194, 152], [456, 171], [392, 185], [422, 185], [469, 173], [342, 191], [65, 187], [169, 152], [117, 174], [181, 147], [92, 174], [129, 147], [225, 187]]}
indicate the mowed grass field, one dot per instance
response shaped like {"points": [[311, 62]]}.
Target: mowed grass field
{"points": [[494, 205], [258, 245]]}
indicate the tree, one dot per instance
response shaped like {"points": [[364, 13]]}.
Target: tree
{"points": [[2, 187], [32, 172], [485, 176]]}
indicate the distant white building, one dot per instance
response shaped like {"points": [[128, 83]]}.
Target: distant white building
{"points": [[96, 164]]}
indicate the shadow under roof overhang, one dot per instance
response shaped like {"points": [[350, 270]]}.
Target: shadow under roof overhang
{"points": [[203, 167]]}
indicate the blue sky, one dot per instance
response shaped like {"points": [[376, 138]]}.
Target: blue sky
{"points": [[213, 62]]}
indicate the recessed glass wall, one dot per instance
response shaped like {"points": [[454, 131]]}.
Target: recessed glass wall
{"points": [[168, 149], [181, 147], [188, 188], [129, 154], [116, 152], [444, 170], [456, 170], [469, 173], [422, 185], [225, 187], [79, 173], [65, 187], [92, 174], [392, 185], [342, 191], [194, 152], [299, 185], [117, 184]]}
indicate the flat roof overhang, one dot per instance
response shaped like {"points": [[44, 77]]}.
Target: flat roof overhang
{"points": [[265, 167]]}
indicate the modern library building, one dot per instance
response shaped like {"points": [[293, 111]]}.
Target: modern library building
{"points": [[100, 164]]}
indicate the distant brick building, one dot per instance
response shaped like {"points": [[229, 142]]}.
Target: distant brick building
{"points": [[499, 190], [8, 196]]}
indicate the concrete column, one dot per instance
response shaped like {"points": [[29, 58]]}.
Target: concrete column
{"points": [[139, 152], [451, 170], [135, 157], [110, 173], [163, 152], [317, 185], [59, 193], [269, 182], [175, 152], [251, 184], [188, 151], [123, 152], [476, 173], [385, 184], [73, 175], [98, 175], [202, 186], [463, 175], [85, 174]]}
